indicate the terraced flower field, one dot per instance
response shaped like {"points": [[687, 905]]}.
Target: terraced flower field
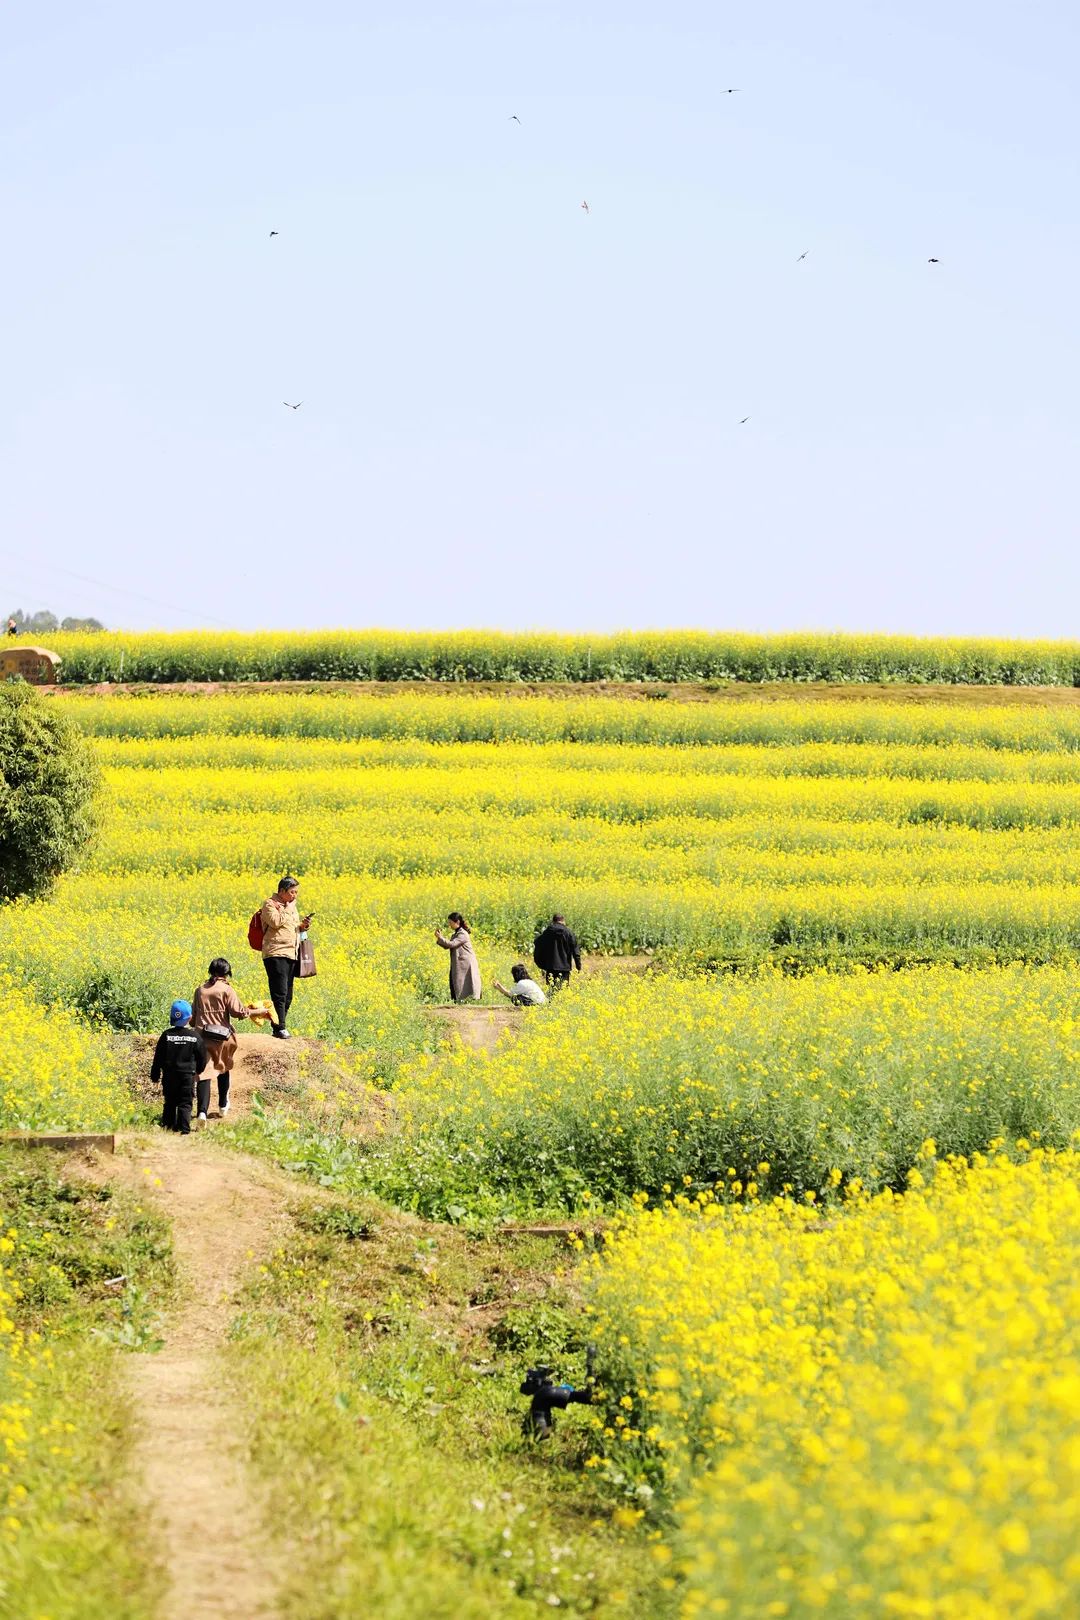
{"points": [[720, 836], [716, 837], [836, 1120]]}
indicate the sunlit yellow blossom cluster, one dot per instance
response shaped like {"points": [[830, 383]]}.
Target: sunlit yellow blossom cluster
{"points": [[875, 1411], [29, 1424], [14, 1400], [55, 1072], [637, 1082]]}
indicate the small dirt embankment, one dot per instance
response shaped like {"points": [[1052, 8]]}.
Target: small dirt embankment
{"points": [[261, 1065]]}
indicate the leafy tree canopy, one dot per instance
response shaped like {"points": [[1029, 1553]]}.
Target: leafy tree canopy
{"points": [[48, 784], [45, 623]]}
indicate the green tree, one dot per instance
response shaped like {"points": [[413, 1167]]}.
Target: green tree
{"points": [[45, 623], [48, 785]]}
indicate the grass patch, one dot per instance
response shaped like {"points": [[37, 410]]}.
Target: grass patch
{"points": [[83, 1271], [381, 1381]]}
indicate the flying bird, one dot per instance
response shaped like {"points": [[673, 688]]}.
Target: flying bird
{"points": [[586, 207], [735, 92], [743, 420], [801, 257], [513, 119], [933, 261], [275, 233], [295, 407]]}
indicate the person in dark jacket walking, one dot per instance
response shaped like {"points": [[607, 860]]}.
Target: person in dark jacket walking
{"points": [[179, 1058], [556, 952]]}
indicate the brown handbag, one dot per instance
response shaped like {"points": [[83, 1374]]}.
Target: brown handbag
{"points": [[305, 960]]}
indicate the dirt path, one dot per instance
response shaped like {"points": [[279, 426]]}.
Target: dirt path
{"points": [[719, 691], [484, 1027], [225, 1212], [261, 1063]]}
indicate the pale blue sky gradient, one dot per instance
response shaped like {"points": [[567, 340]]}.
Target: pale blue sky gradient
{"points": [[515, 414]]}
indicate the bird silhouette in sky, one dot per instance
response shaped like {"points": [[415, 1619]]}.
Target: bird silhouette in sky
{"points": [[275, 233], [735, 92], [586, 207], [743, 420], [933, 261], [513, 119], [295, 407], [801, 257]]}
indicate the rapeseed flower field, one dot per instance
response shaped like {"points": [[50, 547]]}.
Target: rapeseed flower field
{"points": [[56, 1073], [715, 836], [871, 1409], [826, 1079], [484, 655], [446, 715], [838, 1114]]}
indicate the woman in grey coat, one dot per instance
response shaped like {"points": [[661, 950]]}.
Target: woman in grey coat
{"points": [[464, 968]]}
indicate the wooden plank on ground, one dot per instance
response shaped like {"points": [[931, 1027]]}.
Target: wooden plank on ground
{"points": [[63, 1141]]}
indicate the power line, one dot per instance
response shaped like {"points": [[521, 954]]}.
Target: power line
{"points": [[121, 590]]}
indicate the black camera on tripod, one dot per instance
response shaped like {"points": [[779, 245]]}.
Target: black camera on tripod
{"points": [[547, 1397]]}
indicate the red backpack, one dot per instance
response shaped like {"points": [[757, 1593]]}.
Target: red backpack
{"points": [[255, 931]]}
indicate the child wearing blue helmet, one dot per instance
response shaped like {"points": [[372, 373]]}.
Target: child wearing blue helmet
{"points": [[179, 1058]]}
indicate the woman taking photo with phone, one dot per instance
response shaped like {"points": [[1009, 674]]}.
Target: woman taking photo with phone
{"points": [[464, 968], [282, 925]]}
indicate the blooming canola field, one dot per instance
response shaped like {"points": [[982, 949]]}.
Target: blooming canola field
{"points": [[719, 835], [874, 1413], [835, 1122], [713, 836], [485, 655]]}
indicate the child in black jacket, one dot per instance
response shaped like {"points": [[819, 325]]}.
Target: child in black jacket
{"points": [[179, 1058]]}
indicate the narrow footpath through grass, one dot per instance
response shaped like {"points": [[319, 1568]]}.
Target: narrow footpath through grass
{"points": [[322, 1418]]}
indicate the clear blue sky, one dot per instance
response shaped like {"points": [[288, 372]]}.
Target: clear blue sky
{"points": [[516, 414]]}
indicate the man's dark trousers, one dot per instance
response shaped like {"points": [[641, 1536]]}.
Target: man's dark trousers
{"points": [[281, 976], [556, 981], [176, 1114]]}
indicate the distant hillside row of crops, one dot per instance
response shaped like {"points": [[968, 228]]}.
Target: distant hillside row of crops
{"points": [[676, 655], [449, 715]]}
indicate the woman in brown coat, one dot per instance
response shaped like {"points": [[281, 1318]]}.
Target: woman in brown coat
{"points": [[213, 1007], [464, 968]]}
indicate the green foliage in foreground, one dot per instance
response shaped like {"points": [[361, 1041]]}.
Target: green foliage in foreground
{"points": [[48, 781], [485, 655], [388, 1421], [72, 1544]]}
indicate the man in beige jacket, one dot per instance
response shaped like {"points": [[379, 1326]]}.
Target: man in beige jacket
{"points": [[282, 925]]}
